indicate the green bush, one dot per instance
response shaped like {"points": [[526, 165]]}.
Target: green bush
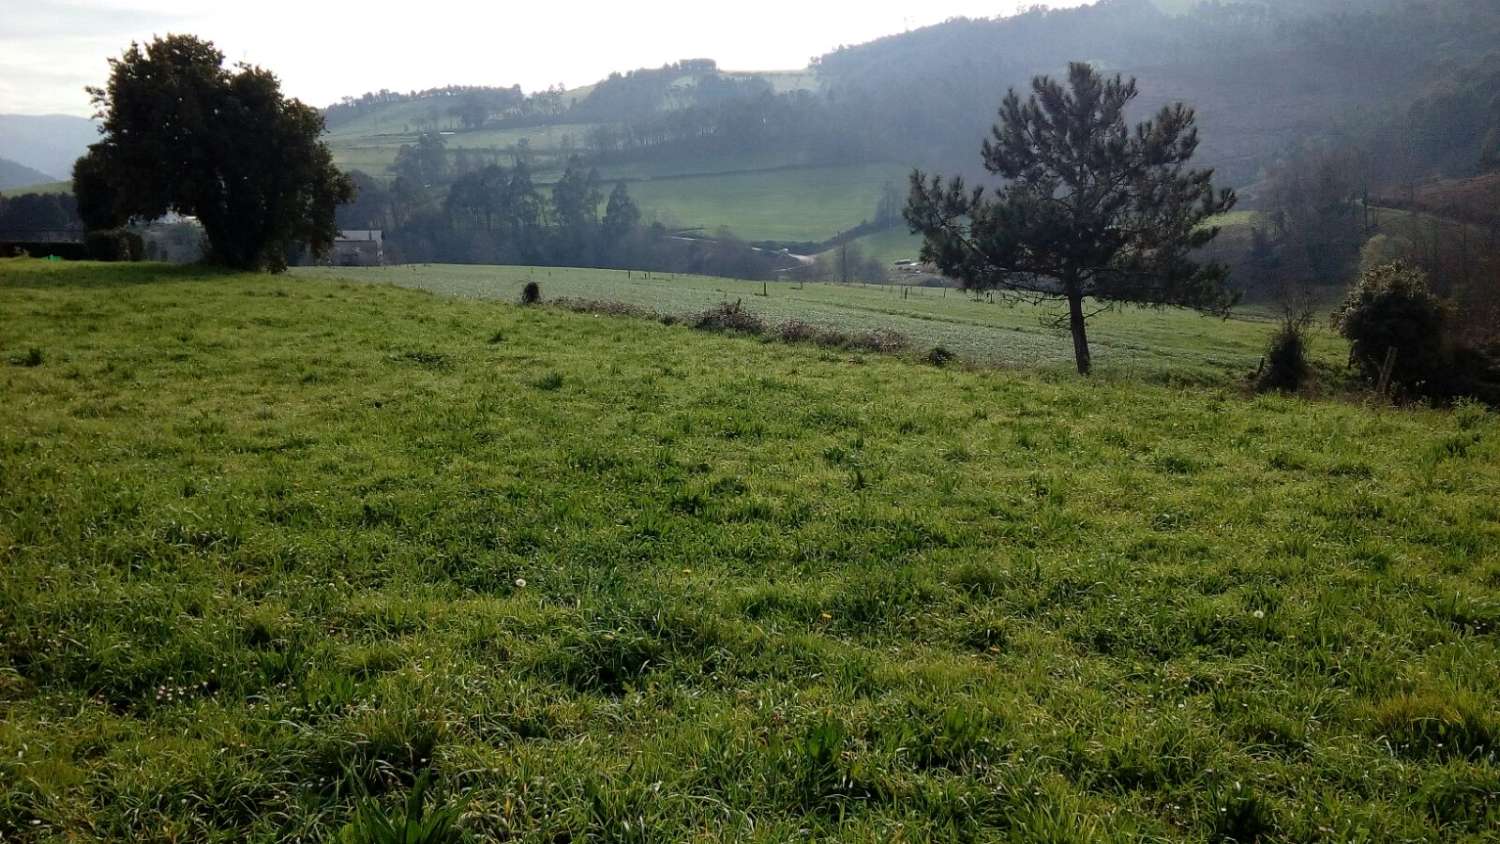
{"points": [[1286, 359], [730, 317], [1391, 307], [114, 245], [1474, 372]]}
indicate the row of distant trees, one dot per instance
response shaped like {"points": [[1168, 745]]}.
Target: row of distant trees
{"points": [[466, 106], [498, 214], [39, 214]]}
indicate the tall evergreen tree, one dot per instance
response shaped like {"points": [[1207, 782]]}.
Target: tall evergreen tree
{"points": [[524, 212], [1088, 209], [621, 215], [183, 133]]}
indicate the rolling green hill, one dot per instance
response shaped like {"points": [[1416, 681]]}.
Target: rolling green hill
{"points": [[274, 548]]}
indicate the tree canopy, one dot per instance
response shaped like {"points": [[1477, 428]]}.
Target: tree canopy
{"points": [[1088, 209], [182, 133]]}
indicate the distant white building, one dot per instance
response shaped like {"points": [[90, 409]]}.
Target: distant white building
{"points": [[358, 248]]}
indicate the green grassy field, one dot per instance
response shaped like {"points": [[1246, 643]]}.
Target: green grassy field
{"points": [[898, 244], [891, 245], [799, 204], [1162, 344], [272, 546]]}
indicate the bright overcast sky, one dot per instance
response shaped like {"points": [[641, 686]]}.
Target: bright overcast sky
{"points": [[50, 49]]}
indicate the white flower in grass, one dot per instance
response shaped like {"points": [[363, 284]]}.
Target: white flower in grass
{"points": [[520, 583]]}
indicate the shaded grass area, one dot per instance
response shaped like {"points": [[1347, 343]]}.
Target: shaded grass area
{"points": [[269, 545], [1164, 344]]}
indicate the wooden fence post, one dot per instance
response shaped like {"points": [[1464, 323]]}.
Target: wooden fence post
{"points": [[1385, 371]]}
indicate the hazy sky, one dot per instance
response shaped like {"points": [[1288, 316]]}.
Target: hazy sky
{"points": [[50, 49]]}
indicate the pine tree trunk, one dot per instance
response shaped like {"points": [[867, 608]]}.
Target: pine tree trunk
{"points": [[1080, 333]]}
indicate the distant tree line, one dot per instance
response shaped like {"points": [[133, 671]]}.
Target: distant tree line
{"points": [[39, 214], [469, 106], [498, 214]]}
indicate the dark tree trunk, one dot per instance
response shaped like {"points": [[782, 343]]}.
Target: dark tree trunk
{"points": [[1080, 333]]}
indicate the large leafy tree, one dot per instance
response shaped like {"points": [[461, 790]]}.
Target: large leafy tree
{"points": [[1088, 209], [182, 133]]}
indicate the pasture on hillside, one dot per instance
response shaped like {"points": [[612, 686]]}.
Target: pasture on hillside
{"points": [[770, 195], [273, 548], [1163, 344], [786, 204]]}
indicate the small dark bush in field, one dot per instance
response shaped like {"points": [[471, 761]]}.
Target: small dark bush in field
{"points": [[413, 824], [940, 356], [33, 357], [531, 294], [730, 317], [551, 381], [1286, 358], [1391, 307], [880, 340], [797, 331], [497, 338]]}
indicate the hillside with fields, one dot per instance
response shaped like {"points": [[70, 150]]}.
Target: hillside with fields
{"points": [[845, 453], [793, 159], [276, 546]]}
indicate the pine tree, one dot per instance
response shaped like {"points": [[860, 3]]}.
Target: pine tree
{"points": [[1088, 209]]}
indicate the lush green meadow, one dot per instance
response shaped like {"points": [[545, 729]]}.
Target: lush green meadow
{"points": [[271, 546], [1169, 344], [797, 204]]}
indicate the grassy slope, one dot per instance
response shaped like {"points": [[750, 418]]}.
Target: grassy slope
{"points": [[1160, 344], [782, 204], [263, 543], [891, 245], [44, 187]]}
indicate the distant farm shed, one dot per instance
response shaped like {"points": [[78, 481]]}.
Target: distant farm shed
{"points": [[358, 248]]}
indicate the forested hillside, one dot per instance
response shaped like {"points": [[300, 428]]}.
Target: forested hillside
{"points": [[1395, 93]]}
